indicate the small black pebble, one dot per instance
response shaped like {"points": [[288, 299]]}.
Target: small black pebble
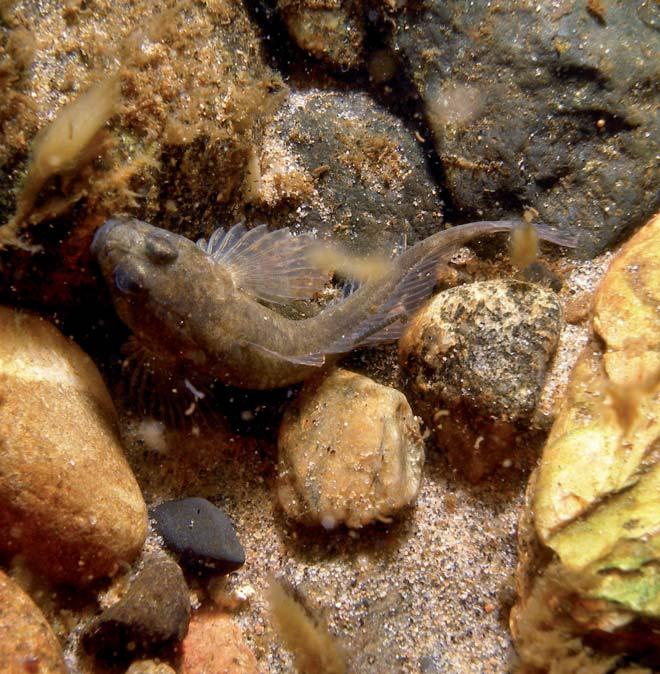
{"points": [[201, 534]]}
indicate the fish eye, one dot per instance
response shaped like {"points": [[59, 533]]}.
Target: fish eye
{"points": [[128, 280], [160, 249]]}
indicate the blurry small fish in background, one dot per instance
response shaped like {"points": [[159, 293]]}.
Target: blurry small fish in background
{"points": [[344, 265], [524, 245], [315, 650]]}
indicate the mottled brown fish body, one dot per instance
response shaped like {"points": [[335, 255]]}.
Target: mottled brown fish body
{"points": [[199, 303], [228, 335]]}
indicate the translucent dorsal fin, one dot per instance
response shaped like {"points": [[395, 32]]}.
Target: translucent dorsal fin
{"points": [[272, 266]]}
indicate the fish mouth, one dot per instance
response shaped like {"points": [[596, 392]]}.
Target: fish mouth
{"points": [[114, 241], [101, 236]]}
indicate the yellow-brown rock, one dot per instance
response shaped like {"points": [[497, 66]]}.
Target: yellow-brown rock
{"points": [[27, 643], [350, 452], [627, 309], [590, 541], [149, 667], [69, 502], [593, 453]]}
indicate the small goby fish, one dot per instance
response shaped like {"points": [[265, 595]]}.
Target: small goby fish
{"points": [[201, 303]]}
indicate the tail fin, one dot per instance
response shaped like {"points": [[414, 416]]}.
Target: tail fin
{"points": [[416, 284], [546, 233], [391, 301]]}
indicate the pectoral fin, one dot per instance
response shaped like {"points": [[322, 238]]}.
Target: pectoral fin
{"points": [[311, 359], [390, 320], [271, 266]]}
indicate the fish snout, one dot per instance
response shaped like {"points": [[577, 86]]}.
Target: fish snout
{"points": [[101, 237], [124, 231]]}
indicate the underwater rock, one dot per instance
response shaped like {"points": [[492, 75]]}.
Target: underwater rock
{"points": [[69, 502], [341, 165], [590, 539], [151, 616], [214, 645], [201, 534], [350, 452], [27, 643], [149, 667], [630, 295], [476, 358], [331, 30], [540, 105], [190, 93]]}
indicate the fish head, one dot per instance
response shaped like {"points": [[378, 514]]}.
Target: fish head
{"points": [[155, 278]]}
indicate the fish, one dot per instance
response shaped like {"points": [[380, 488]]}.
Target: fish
{"points": [[210, 304]]}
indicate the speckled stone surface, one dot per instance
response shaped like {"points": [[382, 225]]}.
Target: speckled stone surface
{"points": [[475, 360], [349, 452]]}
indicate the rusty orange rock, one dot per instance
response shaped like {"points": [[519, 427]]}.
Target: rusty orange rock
{"points": [[214, 645], [27, 643]]}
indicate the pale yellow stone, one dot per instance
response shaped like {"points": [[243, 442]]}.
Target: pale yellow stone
{"points": [[595, 502], [627, 308], [350, 452], [149, 667], [69, 502], [603, 437]]}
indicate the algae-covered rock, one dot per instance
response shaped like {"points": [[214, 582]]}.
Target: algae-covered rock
{"points": [[596, 497], [338, 163], [157, 116], [331, 30], [475, 359]]}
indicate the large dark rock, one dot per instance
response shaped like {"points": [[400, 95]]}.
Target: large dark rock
{"points": [[541, 104], [475, 359], [340, 164], [153, 614], [201, 534]]}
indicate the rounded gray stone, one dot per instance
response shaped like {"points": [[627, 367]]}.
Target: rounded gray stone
{"points": [[153, 614]]}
